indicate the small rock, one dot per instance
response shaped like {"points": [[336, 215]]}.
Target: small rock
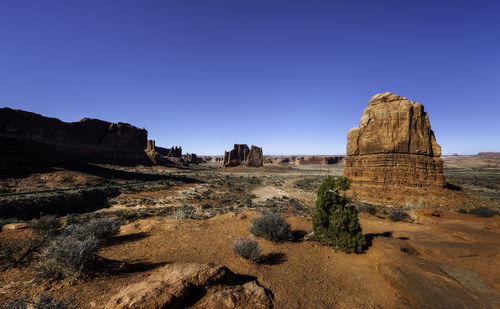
{"points": [[15, 226]]}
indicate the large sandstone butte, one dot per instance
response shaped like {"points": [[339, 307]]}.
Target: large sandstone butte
{"points": [[394, 146], [241, 155]]}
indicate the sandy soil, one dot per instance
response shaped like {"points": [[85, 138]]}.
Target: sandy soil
{"points": [[408, 265], [446, 261]]}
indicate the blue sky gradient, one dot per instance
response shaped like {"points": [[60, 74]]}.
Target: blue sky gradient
{"points": [[290, 76]]}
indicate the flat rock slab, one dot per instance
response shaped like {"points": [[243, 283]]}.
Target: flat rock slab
{"points": [[181, 285]]}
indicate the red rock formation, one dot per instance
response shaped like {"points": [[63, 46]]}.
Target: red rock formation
{"points": [[176, 285], [394, 145], [87, 139], [87, 131], [241, 155], [254, 157]]}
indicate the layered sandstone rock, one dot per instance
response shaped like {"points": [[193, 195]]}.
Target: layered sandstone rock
{"points": [[394, 145], [177, 285], [242, 155]]}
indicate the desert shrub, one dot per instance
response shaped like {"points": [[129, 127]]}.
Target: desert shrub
{"points": [[47, 301], [462, 211], [67, 255], [74, 251], [185, 213], [246, 201], [334, 221], [44, 301], [254, 180], [21, 303], [10, 251], [101, 229], [398, 215], [71, 219], [247, 248], [271, 226], [46, 226], [342, 183], [483, 212]]}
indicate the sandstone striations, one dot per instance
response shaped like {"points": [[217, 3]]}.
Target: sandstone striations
{"points": [[242, 155], [394, 146]]}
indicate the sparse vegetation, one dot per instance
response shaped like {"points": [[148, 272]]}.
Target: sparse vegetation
{"points": [[74, 251], [335, 222], [44, 301], [68, 255], [396, 215], [10, 251], [185, 213], [307, 183], [101, 228], [271, 226], [247, 248], [46, 226]]}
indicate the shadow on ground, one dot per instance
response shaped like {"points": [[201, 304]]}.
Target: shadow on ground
{"points": [[369, 237], [114, 267]]}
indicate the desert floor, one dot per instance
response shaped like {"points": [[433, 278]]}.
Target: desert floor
{"points": [[439, 258]]}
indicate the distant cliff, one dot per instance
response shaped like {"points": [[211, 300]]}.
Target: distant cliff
{"points": [[86, 140]]}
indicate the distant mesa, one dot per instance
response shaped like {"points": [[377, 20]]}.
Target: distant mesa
{"points": [[394, 146], [303, 160], [489, 154], [27, 137], [286, 160], [242, 155]]}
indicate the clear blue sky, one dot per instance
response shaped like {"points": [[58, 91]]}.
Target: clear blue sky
{"points": [[290, 76]]}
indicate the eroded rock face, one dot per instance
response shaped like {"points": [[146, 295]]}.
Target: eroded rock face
{"points": [[394, 145], [242, 155], [88, 131], [175, 285], [87, 139], [254, 157]]}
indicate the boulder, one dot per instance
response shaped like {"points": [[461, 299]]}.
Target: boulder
{"points": [[176, 285], [394, 145]]}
